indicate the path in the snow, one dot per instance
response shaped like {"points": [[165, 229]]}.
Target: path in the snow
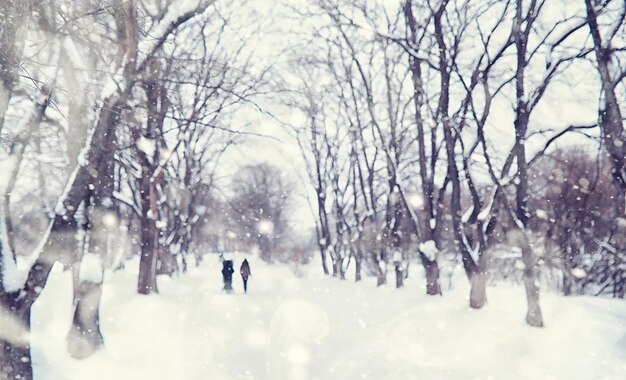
{"points": [[322, 328]]}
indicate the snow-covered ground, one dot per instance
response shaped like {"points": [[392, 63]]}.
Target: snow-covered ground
{"points": [[322, 328]]}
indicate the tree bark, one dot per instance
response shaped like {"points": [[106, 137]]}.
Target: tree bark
{"points": [[15, 358], [522, 115], [611, 121], [432, 278], [357, 267], [85, 337], [478, 291], [399, 275], [146, 282], [14, 22], [428, 192]]}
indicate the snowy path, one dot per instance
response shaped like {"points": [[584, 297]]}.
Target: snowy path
{"points": [[321, 328]]}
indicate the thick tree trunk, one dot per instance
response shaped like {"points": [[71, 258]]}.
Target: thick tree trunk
{"points": [[432, 278], [166, 263], [85, 337], [15, 307], [381, 279], [337, 269], [15, 359], [567, 285], [478, 291]]}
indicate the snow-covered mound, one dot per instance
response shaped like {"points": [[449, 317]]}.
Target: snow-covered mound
{"points": [[322, 328]]}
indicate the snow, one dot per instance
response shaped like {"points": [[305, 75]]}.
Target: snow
{"points": [[72, 52], [486, 212], [416, 201], [91, 268], [317, 327], [15, 269], [541, 214], [161, 30], [7, 164], [265, 227], [579, 273], [146, 145], [466, 215], [12, 278], [429, 248]]}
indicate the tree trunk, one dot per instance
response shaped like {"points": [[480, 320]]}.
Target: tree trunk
{"points": [[146, 283], [522, 115], [432, 278], [337, 270], [533, 315], [85, 337], [567, 284], [399, 274], [357, 267], [15, 307], [324, 264], [14, 23], [166, 262], [15, 359], [478, 291], [381, 276]]}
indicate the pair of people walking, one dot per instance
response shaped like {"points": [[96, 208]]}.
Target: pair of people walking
{"points": [[227, 274]]}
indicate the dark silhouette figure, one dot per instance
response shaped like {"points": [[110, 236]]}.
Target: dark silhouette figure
{"points": [[227, 274], [245, 273]]}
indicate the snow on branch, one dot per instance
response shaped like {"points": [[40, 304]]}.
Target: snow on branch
{"points": [[174, 17]]}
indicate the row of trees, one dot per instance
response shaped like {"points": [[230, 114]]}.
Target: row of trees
{"points": [[427, 127], [251, 214], [113, 119]]}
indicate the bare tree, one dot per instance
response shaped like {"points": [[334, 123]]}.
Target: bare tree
{"points": [[260, 203], [18, 294]]}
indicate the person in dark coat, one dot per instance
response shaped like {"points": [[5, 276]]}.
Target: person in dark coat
{"points": [[227, 274], [245, 273]]}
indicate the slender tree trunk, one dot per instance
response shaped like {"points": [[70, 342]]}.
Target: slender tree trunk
{"points": [[337, 269], [533, 315], [357, 267], [15, 17], [399, 274], [146, 283], [522, 114], [324, 263], [430, 266], [611, 120], [381, 276]]}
